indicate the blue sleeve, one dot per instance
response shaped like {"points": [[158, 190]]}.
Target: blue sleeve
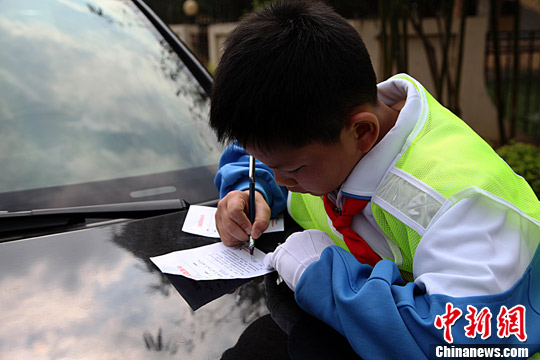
{"points": [[233, 175], [383, 317]]}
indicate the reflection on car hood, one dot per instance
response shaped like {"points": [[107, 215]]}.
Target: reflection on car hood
{"points": [[95, 293]]}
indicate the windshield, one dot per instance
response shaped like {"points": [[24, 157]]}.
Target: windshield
{"points": [[90, 92]]}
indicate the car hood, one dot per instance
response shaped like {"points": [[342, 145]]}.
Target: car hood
{"points": [[94, 293]]}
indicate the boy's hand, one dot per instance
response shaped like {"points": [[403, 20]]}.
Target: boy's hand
{"points": [[296, 254], [232, 221]]}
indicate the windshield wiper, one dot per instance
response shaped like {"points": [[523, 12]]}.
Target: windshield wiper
{"points": [[134, 208], [16, 221]]}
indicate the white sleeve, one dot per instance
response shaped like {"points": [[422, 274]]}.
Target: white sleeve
{"points": [[480, 245]]}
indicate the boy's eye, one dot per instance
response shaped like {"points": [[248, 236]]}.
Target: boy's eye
{"points": [[285, 170], [295, 170]]}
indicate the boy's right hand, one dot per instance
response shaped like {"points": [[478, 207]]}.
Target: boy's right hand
{"points": [[232, 221]]}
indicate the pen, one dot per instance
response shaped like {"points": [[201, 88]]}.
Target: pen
{"points": [[251, 201]]}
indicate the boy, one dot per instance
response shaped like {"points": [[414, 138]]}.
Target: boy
{"points": [[412, 192]]}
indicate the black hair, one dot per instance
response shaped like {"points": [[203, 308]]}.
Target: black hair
{"points": [[290, 74]]}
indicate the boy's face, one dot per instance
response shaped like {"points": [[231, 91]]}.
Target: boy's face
{"points": [[317, 168]]}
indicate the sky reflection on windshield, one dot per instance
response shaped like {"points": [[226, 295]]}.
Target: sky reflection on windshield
{"points": [[89, 92]]}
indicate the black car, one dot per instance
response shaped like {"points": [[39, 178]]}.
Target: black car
{"points": [[104, 144]]}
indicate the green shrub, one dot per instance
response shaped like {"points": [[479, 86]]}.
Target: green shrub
{"points": [[525, 161]]}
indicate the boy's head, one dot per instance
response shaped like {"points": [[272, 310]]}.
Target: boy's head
{"points": [[290, 75]]}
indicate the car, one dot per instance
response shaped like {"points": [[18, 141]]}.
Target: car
{"points": [[104, 145]]}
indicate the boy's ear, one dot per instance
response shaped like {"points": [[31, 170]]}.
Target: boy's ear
{"points": [[364, 127]]}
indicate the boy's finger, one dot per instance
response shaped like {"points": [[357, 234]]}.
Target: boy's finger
{"points": [[230, 233], [231, 221], [238, 216], [233, 207]]}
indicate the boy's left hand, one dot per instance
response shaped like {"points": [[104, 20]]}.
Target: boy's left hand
{"points": [[296, 254]]}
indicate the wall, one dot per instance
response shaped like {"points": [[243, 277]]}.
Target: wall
{"points": [[477, 109]]}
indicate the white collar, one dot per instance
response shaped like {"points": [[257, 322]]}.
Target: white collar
{"points": [[370, 170]]}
